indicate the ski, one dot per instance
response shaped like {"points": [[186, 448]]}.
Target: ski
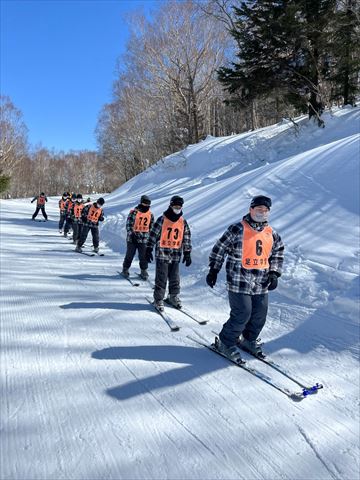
{"points": [[172, 325], [187, 313], [296, 396], [309, 390], [306, 389], [86, 253], [99, 254], [130, 280]]}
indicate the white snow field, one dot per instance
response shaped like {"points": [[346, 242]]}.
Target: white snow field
{"points": [[94, 385]]}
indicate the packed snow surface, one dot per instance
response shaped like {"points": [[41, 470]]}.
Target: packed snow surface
{"points": [[96, 386]]}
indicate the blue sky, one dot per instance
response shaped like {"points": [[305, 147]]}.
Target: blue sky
{"points": [[58, 60]]}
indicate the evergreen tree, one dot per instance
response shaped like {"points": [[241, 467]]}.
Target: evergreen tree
{"points": [[345, 52], [4, 183], [283, 47]]}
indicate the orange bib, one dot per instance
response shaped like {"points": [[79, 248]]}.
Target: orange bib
{"points": [[142, 221], [41, 201], [94, 214], [172, 233], [62, 205], [256, 247], [78, 209]]}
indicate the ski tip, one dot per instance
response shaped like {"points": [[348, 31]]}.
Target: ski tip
{"points": [[312, 390]]}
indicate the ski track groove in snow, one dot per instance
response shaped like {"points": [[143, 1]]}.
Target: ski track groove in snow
{"points": [[337, 476], [162, 404]]}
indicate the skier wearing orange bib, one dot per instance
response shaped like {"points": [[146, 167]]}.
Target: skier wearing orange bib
{"points": [[40, 205], [171, 236], [138, 225], [91, 215], [69, 206], [255, 254], [62, 208], [76, 217]]}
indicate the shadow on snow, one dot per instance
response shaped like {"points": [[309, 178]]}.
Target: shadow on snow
{"points": [[193, 358]]}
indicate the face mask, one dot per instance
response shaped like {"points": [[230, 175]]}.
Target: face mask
{"points": [[260, 217], [176, 210]]}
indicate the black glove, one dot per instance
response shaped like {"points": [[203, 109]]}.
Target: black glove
{"points": [[273, 280], [133, 237], [149, 255], [211, 277], [187, 259]]}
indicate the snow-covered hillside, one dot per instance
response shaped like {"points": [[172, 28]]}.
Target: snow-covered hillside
{"points": [[94, 384]]}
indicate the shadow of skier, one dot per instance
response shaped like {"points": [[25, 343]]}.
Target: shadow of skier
{"points": [[194, 360]]}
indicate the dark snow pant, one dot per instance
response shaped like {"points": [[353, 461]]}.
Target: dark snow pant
{"points": [[84, 233], [68, 224], [247, 317], [38, 208], [165, 272], [62, 220], [130, 253], [77, 228]]}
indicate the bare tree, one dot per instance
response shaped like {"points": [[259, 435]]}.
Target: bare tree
{"points": [[166, 85], [13, 137]]}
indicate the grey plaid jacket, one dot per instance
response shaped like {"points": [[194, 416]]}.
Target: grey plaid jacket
{"points": [[168, 255], [141, 237], [239, 279]]}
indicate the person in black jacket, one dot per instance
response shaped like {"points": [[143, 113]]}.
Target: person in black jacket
{"points": [[91, 216], [62, 209], [69, 207], [40, 205], [139, 223]]}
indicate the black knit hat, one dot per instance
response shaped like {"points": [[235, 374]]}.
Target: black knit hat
{"points": [[79, 195], [261, 200], [176, 200], [145, 200], [100, 201]]}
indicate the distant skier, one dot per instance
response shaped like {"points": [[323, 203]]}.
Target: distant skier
{"points": [[76, 215], [40, 205], [62, 208], [255, 254], [69, 213], [138, 225], [91, 216], [171, 236]]}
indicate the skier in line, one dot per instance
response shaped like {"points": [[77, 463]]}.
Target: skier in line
{"points": [[40, 205], [138, 225], [68, 214], [255, 254], [171, 236], [91, 216], [62, 208], [76, 212]]}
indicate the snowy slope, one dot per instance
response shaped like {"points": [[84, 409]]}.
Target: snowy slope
{"points": [[94, 384]]}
